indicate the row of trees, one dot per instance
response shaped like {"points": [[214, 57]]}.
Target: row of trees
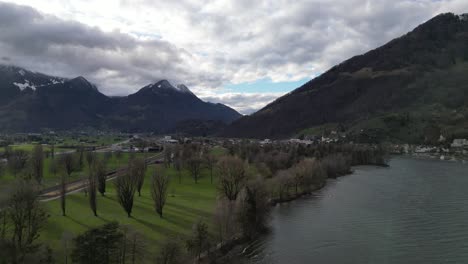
{"points": [[30, 164], [253, 177], [192, 157]]}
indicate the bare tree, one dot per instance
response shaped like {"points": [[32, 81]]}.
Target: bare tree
{"points": [[232, 176], [178, 161], [137, 169], [125, 187], [66, 242], [210, 162], [133, 246], [168, 153], [37, 163], [92, 186], [90, 158], [118, 156], [225, 219], [2, 169], [199, 240], [308, 172], [282, 183], [27, 218], [159, 186], [178, 168], [194, 166], [52, 151], [170, 253], [63, 193], [68, 162], [16, 161], [100, 170], [253, 209], [81, 157]]}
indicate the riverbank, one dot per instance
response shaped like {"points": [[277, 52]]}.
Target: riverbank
{"points": [[235, 250], [375, 215]]}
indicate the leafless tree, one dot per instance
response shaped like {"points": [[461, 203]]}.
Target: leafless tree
{"points": [[90, 158], [133, 246], [16, 161], [68, 162], [159, 186], [170, 253], [282, 183], [2, 170], [118, 155], [199, 240], [63, 193], [225, 219], [232, 176], [52, 151], [178, 168], [178, 162], [309, 172], [100, 170], [194, 166], [137, 169], [125, 187], [54, 167], [27, 217], [210, 163], [168, 152], [92, 186], [253, 209], [81, 157], [37, 163], [66, 242]]}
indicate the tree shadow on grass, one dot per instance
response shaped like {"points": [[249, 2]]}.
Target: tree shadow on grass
{"points": [[153, 226], [182, 223], [77, 222], [193, 211]]}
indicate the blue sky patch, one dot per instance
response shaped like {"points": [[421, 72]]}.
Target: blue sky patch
{"points": [[265, 86]]}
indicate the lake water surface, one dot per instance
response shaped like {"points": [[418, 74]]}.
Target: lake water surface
{"points": [[415, 211]]}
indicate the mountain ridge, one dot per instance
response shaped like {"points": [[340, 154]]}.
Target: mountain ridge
{"points": [[396, 78], [47, 102]]}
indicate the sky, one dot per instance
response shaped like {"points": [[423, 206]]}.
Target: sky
{"points": [[242, 53]]}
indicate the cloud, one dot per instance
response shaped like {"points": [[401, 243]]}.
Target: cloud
{"points": [[244, 103], [124, 45]]}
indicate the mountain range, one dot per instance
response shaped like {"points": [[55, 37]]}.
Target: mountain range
{"points": [[412, 89], [31, 101]]}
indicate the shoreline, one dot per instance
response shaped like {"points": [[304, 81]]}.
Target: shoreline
{"points": [[234, 250]]}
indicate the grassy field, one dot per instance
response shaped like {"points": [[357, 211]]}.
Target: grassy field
{"points": [[187, 202]]}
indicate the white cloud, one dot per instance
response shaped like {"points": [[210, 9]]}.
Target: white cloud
{"points": [[244, 103], [124, 45]]}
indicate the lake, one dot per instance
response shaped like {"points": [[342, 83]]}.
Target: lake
{"points": [[415, 211]]}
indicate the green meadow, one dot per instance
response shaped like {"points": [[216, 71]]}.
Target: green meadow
{"points": [[187, 202]]}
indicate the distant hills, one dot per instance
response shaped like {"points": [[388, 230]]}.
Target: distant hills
{"points": [[31, 101], [412, 89]]}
